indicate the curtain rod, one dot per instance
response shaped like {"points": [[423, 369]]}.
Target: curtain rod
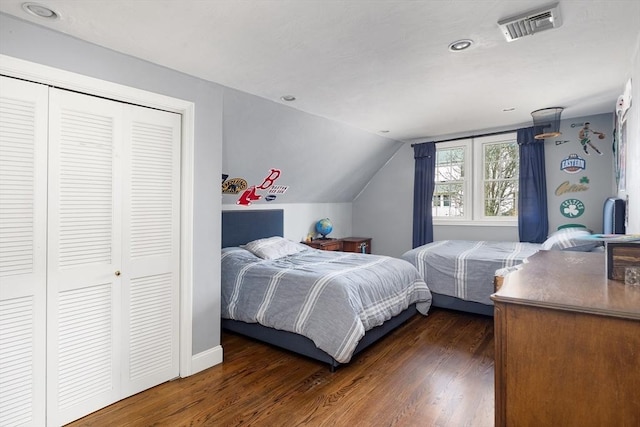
{"points": [[471, 136]]}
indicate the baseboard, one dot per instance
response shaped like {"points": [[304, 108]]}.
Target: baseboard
{"points": [[206, 359]]}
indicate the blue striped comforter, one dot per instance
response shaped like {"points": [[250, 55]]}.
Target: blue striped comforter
{"points": [[465, 269], [330, 297]]}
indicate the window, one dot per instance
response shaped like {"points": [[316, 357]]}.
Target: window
{"points": [[477, 180]]}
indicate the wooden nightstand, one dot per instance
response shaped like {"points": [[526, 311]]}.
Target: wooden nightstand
{"points": [[357, 244], [326, 244]]}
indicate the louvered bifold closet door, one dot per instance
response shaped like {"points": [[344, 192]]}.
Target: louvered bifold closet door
{"points": [[151, 250], [23, 210], [114, 252], [84, 288]]}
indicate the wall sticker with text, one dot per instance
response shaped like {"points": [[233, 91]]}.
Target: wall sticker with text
{"points": [[573, 163], [572, 208], [251, 194], [569, 187]]}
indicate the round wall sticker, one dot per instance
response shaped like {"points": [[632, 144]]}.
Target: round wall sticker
{"points": [[572, 208]]}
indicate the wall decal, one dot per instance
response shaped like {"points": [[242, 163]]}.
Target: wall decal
{"points": [[278, 189], [270, 197], [572, 208], [573, 163], [233, 185], [251, 195], [584, 180], [562, 142], [585, 138], [567, 187], [224, 177]]}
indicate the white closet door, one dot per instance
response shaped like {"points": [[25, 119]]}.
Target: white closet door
{"points": [[151, 249], [23, 196], [84, 288]]}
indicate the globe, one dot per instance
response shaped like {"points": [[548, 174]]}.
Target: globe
{"points": [[324, 227]]}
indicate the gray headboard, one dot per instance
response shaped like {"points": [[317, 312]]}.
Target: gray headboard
{"points": [[241, 226]]}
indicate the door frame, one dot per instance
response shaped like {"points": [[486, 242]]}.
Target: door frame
{"points": [[18, 68]]}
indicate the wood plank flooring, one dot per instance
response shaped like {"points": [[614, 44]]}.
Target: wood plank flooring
{"points": [[431, 371]]}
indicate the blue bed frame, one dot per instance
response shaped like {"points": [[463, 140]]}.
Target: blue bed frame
{"points": [[240, 227]]}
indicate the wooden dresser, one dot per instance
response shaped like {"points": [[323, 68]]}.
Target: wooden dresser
{"points": [[567, 344]]}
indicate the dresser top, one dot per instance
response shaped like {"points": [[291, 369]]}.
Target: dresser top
{"points": [[574, 281]]}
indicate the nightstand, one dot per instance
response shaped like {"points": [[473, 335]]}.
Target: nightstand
{"points": [[357, 244], [326, 244]]}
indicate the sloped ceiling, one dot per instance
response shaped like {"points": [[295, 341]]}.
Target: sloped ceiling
{"points": [[359, 67], [376, 65]]}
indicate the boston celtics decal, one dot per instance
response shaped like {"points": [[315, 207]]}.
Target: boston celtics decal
{"points": [[569, 187], [572, 208], [573, 164]]}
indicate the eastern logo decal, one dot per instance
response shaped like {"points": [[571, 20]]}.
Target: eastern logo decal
{"points": [[233, 186], [573, 164], [572, 208]]}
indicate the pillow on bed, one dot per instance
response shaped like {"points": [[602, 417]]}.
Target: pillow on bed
{"points": [[273, 247], [570, 239]]}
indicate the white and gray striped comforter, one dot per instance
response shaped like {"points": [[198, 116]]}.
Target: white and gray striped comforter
{"points": [[465, 269], [330, 297]]}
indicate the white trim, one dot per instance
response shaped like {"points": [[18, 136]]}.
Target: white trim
{"points": [[206, 359], [39, 73], [464, 222]]}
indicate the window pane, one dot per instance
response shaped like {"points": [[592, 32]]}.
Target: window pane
{"points": [[501, 169], [504, 205], [448, 200], [450, 164]]}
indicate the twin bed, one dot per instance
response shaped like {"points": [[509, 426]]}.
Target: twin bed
{"points": [[322, 304], [332, 305]]}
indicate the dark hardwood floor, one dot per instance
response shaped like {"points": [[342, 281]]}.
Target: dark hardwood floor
{"points": [[432, 371]]}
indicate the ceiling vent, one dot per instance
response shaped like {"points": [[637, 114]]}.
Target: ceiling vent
{"points": [[530, 23]]}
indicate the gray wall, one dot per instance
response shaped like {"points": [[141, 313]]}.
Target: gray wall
{"points": [[37, 44], [384, 210], [590, 186], [321, 161]]}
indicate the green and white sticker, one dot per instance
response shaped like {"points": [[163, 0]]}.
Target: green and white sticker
{"points": [[572, 208]]}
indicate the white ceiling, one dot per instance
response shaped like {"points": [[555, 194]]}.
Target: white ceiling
{"points": [[378, 64]]}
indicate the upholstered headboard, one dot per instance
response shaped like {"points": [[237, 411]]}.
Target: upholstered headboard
{"points": [[613, 216], [242, 226]]}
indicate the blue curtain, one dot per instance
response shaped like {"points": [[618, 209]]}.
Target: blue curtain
{"points": [[533, 220], [424, 182]]}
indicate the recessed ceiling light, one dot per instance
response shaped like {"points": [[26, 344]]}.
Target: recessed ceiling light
{"points": [[40, 11], [288, 98], [459, 45]]}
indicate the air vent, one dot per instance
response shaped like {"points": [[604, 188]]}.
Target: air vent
{"points": [[530, 23]]}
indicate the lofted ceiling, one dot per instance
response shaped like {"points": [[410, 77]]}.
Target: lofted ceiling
{"points": [[376, 65]]}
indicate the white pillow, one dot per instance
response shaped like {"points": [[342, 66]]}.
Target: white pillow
{"points": [[273, 247], [570, 239]]}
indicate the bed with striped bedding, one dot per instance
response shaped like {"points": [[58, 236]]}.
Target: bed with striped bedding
{"points": [[465, 269], [332, 298]]}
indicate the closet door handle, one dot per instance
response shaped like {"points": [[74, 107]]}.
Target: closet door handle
{"points": [[117, 272]]}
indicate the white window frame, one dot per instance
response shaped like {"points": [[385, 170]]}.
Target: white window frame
{"points": [[473, 200]]}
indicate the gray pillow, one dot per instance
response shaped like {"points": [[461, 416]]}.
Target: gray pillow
{"points": [[273, 247], [570, 239]]}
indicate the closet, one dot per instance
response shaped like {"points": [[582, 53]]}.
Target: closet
{"points": [[89, 252]]}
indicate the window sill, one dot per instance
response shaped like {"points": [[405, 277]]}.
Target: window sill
{"points": [[477, 223]]}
